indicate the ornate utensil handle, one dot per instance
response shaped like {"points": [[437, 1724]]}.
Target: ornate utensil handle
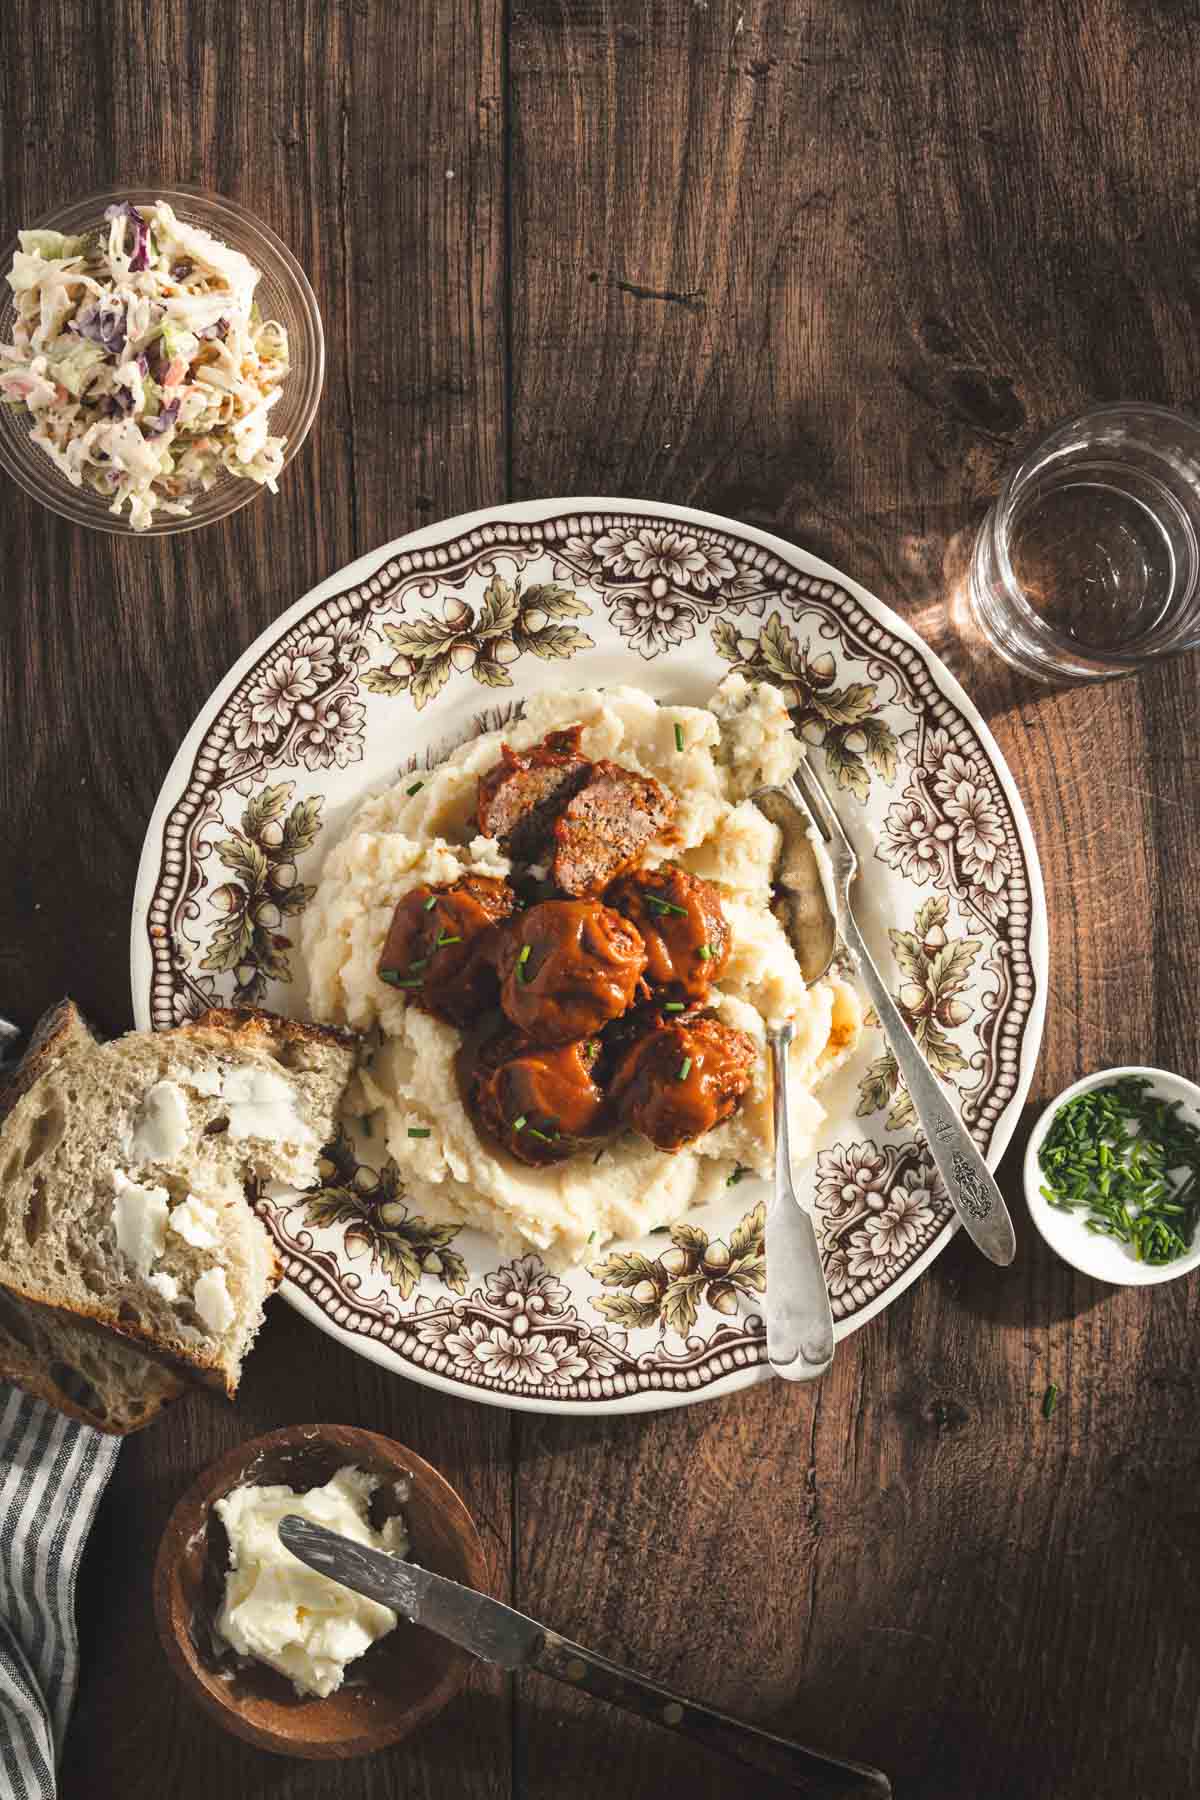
{"points": [[972, 1190], [805, 1771], [799, 1317]]}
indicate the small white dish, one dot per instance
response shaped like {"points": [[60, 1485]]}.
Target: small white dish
{"points": [[1065, 1232]]}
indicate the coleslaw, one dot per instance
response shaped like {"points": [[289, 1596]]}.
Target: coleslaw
{"points": [[141, 356]]}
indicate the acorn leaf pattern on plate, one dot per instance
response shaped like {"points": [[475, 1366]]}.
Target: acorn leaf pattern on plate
{"points": [[250, 911], [844, 722], [479, 640], [370, 1205], [935, 969], [669, 1290]]}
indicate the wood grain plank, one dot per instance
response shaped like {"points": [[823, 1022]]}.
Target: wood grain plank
{"points": [[369, 137], [829, 273]]}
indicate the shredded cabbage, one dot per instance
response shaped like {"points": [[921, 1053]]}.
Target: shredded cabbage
{"points": [[140, 355]]}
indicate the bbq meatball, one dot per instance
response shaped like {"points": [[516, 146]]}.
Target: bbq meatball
{"points": [[682, 1079], [520, 798], [439, 944], [566, 968], [541, 1103], [606, 825], [683, 927]]}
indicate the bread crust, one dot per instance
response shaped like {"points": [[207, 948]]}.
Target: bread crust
{"points": [[58, 1033], [19, 1365]]}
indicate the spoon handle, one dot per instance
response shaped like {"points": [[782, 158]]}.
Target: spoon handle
{"points": [[969, 1182], [799, 1317], [804, 1771]]}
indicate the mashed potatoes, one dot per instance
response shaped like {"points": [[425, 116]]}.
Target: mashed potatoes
{"points": [[398, 840]]}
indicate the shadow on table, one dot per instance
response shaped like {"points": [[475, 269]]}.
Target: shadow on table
{"points": [[1040, 1289]]}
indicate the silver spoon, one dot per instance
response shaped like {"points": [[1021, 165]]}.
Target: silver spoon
{"points": [[799, 1316]]}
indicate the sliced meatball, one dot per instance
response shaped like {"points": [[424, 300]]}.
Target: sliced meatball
{"points": [[683, 926], [521, 797], [605, 827], [540, 1102], [439, 949], [682, 1079], [566, 968]]}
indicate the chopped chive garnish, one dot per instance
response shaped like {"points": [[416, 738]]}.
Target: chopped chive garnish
{"points": [[685, 1069], [674, 1006], [665, 906], [444, 939], [404, 981], [393, 977], [732, 1180], [419, 1131], [1049, 1401], [415, 788], [534, 1132], [422, 962], [1132, 1163], [519, 1124], [522, 959], [431, 903], [524, 956], [679, 737], [705, 952]]}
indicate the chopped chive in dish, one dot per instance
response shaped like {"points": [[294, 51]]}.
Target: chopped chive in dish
{"points": [[674, 1006], [685, 1069], [445, 938], [705, 952], [733, 1179], [534, 1132], [415, 788], [419, 1131], [679, 737], [1049, 1401], [662, 906], [422, 962], [522, 960], [520, 1124], [1131, 1163], [431, 903]]}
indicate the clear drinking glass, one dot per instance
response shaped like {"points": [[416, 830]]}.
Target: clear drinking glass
{"points": [[1088, 564]]}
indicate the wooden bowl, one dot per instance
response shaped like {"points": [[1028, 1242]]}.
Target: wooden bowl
{"points": [[401, 1681]]}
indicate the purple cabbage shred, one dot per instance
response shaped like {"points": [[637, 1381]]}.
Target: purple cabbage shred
{"points": [[140, 258], [164, 421]]}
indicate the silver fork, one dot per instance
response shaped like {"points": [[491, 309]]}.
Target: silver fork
{"points": [[973, 1192]]}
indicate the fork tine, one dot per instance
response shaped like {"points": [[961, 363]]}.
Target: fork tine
{"points": [[818, 804]]}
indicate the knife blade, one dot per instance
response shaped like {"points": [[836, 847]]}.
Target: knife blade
{"points": [[499, 1634], [473, 1621]]}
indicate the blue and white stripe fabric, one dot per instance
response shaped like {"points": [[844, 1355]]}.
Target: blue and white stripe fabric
{"points": [[52, 1474]]}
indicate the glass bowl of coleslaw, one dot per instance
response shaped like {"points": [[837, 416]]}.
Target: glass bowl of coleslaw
{"points": [[161, 359]]}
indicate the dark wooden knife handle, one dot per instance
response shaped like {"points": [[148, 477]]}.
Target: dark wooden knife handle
{"points": [[805, 1771]]}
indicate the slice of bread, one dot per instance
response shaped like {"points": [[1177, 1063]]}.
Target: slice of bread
{"points": [[123, 1170], [73, 1365]]}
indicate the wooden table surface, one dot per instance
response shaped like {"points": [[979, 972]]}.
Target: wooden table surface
{"points": [[826, 268]]}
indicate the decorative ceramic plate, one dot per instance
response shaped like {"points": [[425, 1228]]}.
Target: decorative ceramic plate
{"points": [[439, 637]]}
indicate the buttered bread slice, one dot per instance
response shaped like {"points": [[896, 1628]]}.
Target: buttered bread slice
{"points": [[123, 1172]]}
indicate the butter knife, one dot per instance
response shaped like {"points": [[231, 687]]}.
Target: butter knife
{"points": [[497, 1634]]}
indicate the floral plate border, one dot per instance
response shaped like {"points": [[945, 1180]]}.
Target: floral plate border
{"points": [[271, 770]]}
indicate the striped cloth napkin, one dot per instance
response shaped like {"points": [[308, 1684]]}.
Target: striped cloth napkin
{"points": [[52, 1474]]}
